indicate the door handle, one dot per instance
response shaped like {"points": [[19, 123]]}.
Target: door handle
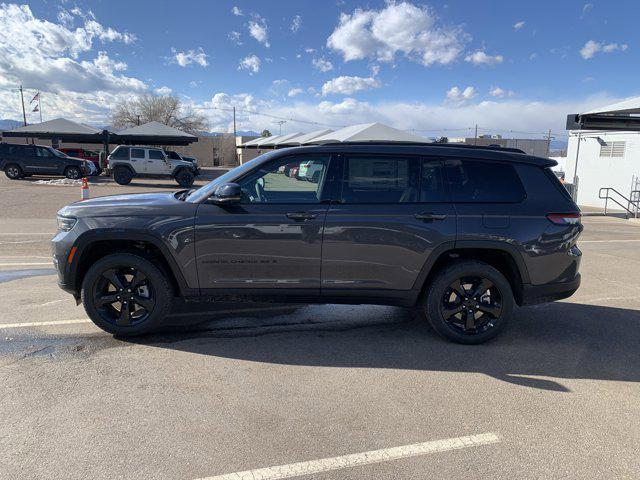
{"points": [[301, 215], [430, 216]]}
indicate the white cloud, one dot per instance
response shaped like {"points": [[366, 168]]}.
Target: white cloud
{"points": [[592, 47], [397, 28], [456, 95], [295, 91], [322, 65], [236, 11], [250, 63], [480, 57], [44, 54], [501, 92], [163, 90], [296, 23], [235, 37], [518, 25], [185, 59], [499, 116], [309, 50], [258, 30], [345, 85], [195, 83]]}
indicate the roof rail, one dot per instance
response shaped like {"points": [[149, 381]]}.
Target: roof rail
{"points": [[429, 144]]}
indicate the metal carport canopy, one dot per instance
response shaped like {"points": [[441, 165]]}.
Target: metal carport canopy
{"points": [[620, 116], [59, 129], [153, 133]]}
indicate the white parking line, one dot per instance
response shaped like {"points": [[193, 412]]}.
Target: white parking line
{"points": [[27, 233], [357, 459], [612, 240], [21, 264], [5, 326]]}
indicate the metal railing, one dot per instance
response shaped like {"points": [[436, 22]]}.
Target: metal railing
{"points": [[632, 206]]}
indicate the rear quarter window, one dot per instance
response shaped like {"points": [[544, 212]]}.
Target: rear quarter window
{"points": [[478, 181]]}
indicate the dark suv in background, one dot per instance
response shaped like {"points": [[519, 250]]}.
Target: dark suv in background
{"points": [[463, 234], [18, 161]]}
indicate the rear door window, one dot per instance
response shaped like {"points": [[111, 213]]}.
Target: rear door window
{"points": [[137, 153], [121, 153], [477, 181], [431, 182], [380, 179]]}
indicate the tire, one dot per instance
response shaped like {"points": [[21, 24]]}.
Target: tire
{"points": [[122, 175], [73, 173], [126, 314], [13, 171], [481, 313], [184, 178]]}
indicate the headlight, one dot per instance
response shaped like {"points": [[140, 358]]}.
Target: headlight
{"points": [[66, 223]]}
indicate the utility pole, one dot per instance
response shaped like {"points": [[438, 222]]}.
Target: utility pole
{"points": [[40, 105], [235, 138], [549, 143], [280, 123], [475, 138], [24, 113], [138, 119]]}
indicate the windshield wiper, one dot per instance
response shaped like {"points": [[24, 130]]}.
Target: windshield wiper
{"points": [[185, 194]]}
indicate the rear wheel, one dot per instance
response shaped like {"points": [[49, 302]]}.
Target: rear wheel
{"points": [[122, 175], [126, 295], [468, 302], [13, 171], [73, 173], [185, 178]]}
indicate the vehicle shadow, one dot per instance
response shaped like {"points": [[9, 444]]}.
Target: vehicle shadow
{"points": [[559, 340]]}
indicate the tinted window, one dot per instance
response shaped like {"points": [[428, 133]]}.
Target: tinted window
{"points": [[156, 155], [379, 179], [287, 180], [121, 153], [43, 152], [483, 182], [431, 183], [137, 153]]}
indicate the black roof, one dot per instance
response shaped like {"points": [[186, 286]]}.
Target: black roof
{"points": [[430, 149]]}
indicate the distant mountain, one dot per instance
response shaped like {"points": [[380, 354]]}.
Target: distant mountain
{"points": [[240, 133], [7, 124]]}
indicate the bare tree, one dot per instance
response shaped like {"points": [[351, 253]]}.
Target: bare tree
{"points": [[164, 109]]}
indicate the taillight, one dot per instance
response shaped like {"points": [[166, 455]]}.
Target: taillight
{"points": [[564, 218]]}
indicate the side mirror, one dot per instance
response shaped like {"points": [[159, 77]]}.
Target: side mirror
{"points": [[227, 193]]}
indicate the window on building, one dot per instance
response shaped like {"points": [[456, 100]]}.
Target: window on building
{"points": [[472, 181], [612, 149]]}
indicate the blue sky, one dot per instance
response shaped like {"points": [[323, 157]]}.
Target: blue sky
{"points": [[435, 67]]}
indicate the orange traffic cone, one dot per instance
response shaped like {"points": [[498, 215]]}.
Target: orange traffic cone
{"points": [[84, 190]]}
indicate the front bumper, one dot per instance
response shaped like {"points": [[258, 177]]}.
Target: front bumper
{"points": [[534, 294]]}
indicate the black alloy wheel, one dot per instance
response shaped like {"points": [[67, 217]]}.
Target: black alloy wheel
{"points": [[73, 173], [124, 296], [471, 305], [468, 302]]}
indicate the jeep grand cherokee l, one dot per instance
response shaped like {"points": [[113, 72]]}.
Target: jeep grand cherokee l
{"points": [[460, 234]]}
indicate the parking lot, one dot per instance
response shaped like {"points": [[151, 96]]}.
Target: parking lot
{"points": [[330, 391]]}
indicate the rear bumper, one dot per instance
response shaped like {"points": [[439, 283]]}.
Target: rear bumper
{"points": [[533, 294]]}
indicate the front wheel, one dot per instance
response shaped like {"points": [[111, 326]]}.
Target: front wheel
{"points": [[185, 178], [468, 302], [126, 295], [122, 175]]}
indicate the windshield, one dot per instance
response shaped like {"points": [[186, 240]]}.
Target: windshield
{"points": [[205, 192], [58, 153]]}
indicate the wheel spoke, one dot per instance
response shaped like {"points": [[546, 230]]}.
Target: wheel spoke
{"points": [[470, 320], [482, 287], [146, 303], [451, 310], [106, 300], [138, 279], [125, 315], [492, 309], [114, 278], [458, 288]]}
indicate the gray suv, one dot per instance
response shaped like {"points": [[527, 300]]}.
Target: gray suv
{"points": [[462, 234]]}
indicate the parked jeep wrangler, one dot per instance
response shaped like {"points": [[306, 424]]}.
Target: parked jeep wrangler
{"points": [[126, 163], [462, 234]]}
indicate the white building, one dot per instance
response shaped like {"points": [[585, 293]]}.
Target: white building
{"points": [[605, 158]]}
